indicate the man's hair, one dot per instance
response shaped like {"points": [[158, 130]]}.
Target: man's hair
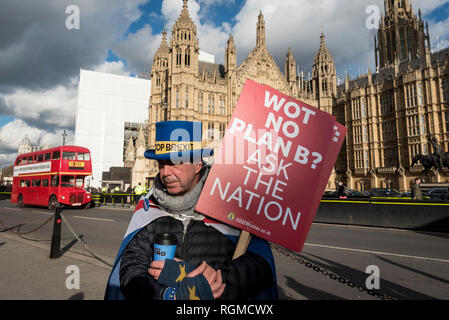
{"points": [[416, 179]]}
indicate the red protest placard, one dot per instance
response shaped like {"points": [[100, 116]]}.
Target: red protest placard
{"points": [[267, 177]]}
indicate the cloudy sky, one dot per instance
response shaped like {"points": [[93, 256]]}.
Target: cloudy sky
{"points": [[42, 49]]}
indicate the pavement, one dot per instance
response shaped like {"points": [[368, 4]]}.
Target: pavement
{"points": [[27, 272]]}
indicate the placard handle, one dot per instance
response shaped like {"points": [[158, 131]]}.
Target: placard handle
{"points": [[242, 244]]}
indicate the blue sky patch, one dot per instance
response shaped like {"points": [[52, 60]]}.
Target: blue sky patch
{"points": [[5, 120]]}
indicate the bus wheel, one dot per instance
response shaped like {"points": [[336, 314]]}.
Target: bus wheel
{"points": [[52, 203], [20, 201]]}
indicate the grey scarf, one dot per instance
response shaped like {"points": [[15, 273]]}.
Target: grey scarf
{"points": [[181, 207]]}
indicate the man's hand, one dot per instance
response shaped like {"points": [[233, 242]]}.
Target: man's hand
{"points": [[212, 276], [156, 268]]}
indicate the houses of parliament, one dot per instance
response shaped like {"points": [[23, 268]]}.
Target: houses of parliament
{"points": [[391, 113]]}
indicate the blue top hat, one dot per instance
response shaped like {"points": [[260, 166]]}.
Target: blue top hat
{"points": [[178, 141]]}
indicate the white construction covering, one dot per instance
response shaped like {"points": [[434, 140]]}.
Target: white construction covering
{"points": [[105, 103]]}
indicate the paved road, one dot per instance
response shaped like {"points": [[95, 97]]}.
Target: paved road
{"points": [[412, 265]]}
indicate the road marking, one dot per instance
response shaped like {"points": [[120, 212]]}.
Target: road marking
{"points": [[12, 208], [94, 218], [43, 212], [360, 227], [377, 252]]}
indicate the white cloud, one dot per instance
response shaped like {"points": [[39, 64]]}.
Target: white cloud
{"points": [[113, 67], [53, 107], [12, 134], [138, 49], [439, 31]]}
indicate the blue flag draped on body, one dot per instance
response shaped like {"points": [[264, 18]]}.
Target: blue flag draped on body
{"points": [[146, 213]]}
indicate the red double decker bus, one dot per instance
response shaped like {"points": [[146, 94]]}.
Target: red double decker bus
{"points": [[46, 177]]}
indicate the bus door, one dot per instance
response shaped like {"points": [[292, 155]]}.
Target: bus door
{"points": [[23, 190], [44, 191], [35, 190]]}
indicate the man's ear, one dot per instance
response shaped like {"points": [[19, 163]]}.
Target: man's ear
{"points": [[198, 167]]}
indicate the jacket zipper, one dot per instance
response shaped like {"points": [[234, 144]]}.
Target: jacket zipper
{"points": [[184, 232]]}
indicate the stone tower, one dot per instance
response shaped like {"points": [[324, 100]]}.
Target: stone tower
{"points": [[184, 51], [290, 72], [231, 56], [159, 83], [401, 34], [25, 146], [324, 78]]}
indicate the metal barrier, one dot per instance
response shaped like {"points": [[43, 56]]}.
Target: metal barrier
{"points": [[101, 199], [118, 199], [426, 215], [5, 195]]}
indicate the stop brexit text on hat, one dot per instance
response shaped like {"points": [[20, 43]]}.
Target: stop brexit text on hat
{"points": [[272, 167]]}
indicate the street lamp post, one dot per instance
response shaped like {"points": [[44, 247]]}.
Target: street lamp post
{"points": [[64, 135]]}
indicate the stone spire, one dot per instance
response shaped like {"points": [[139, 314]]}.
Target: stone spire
{"points": [[184, 43], [140, 142], [231, 55], [184, 20], [290, 66], [261, 31], [130, 153]]}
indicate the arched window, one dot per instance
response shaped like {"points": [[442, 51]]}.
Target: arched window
{"points": [[178, 57], [222, 106], [324, 86], [200, 103], [177, 97], [187, 98], [211, 104], [187, 57]]}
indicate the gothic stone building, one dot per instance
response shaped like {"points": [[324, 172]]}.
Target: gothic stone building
{"points": [[391, 114]]}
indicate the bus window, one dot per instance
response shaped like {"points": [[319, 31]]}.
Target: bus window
{"points": [[18, 161], [83, 156], [55, 181], [67, 181], [40, 158], [30, 160], [56, 155], [45, 182], [36, 183], [79, 182], [47, 156], [68, 155], [24, 183]]}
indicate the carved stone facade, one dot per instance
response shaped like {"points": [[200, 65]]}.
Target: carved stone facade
{"points": [[391, 114], [25, 146]]}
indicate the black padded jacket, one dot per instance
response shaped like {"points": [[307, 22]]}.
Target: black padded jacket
{"points": [[245, 276]]}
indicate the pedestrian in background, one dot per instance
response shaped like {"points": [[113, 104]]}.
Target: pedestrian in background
{"points": [[416, 190], [342, 191]]}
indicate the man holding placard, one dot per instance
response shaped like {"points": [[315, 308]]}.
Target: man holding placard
{"points": [[275, 149], [203, 268]]}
